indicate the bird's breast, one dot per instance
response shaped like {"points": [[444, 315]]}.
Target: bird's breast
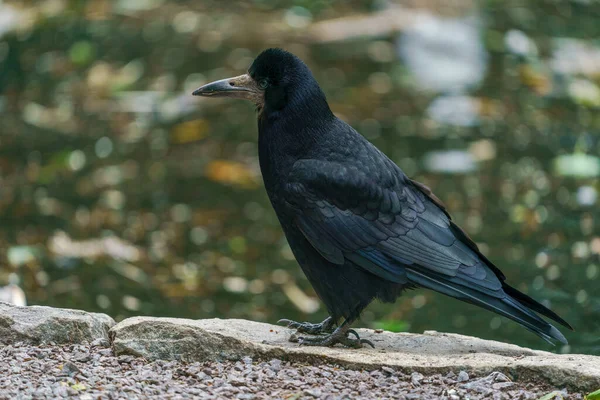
{"points": [[276, 159]]}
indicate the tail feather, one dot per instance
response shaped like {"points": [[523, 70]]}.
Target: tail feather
{"points": [[538, 325], [516, 308], [534, 305]]}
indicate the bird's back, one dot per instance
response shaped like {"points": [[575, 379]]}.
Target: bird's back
{"points": [[333, 141]]}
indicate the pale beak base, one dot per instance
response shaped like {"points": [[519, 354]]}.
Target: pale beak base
{"points": [[241, 87]]}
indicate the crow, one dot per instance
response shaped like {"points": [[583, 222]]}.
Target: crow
{"points": [[357, 225]]}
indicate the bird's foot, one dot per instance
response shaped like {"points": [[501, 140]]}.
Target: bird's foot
{"points": [[340, 336], [312, 329]]}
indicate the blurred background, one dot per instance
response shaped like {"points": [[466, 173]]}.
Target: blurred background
{"points": [[121, 193]]}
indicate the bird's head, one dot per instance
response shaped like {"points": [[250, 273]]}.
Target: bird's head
{"points": [[276, 79]]}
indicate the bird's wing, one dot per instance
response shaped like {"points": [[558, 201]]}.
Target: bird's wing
{"points": [[401, 232], [386, 230]]}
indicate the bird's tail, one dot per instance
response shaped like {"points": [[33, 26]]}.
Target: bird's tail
{"points": [[515, 305]]}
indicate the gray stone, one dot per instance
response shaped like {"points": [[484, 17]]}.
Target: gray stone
{"points": [[462, 376], [37, 324], [428, 353]]}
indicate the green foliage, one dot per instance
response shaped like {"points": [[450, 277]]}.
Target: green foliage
{"points": [[392, 325], [82, 52], [556, 395], [593, 396]]}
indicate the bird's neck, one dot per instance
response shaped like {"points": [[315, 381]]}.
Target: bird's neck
{"points": [[287, 135]]}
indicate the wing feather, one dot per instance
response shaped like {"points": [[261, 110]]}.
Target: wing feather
{"points": [[397, 227]]}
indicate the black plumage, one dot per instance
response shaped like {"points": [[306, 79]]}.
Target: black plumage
{"points": [[357, 225]]}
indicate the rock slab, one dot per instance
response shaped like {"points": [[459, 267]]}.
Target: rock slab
{"points": [[38, 325], [429, 353]]}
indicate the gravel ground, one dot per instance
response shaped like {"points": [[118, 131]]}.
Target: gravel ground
{"points": [[93, 372]]}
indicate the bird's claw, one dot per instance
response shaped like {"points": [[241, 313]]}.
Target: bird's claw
{"points": [[333, 339], [353, 332], [337, 336], [348, 342], [309, 328], [303, 327]]}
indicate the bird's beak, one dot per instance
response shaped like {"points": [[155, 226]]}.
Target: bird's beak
{"points": [[241, 87]]}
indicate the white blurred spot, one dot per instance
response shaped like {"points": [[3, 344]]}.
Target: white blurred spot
{"points": [[585, 92], [553, 272], [12, 293], [455, 110], [61, 244], [286, 252], [279, 276], [518, 42], [450, 161], [103, 147], [573, 56], [298, 17], [256, 286], [580, 250], [131, 303], [541, 259], [235, 284], [581, 296], [587, 195], [103, 301], [10, 18], [483, 150], [419, 301], [114, 199], [186, 22], [77, 160], [579, 165], [129, 7], [303, 302], [198, 235], [181, 213], [591, 271], [20, 255], [444, 54]]}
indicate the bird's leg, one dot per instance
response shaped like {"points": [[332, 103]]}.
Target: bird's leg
{"points": [[340, 335], [312, 329]]}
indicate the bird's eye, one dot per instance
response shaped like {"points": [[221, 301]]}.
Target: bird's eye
{"points": [[263, 84]]}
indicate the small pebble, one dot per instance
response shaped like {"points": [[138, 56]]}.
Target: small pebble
{"points": [[416, 378], [502, 385], [82, 358], [100, 342], [275, 365], [462, 376], [70, 369], [388, 370]]}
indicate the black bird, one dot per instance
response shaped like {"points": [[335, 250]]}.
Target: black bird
{"points": [[357, 225]]}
